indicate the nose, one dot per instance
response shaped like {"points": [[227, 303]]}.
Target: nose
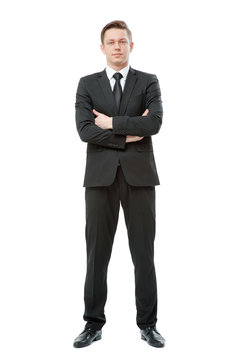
{"points": [[117, 46]]}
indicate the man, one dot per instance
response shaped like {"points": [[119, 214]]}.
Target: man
{"points": [[117, 112]]}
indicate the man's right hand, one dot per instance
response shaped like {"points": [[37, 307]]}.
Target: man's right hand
{"points": [[133, 138]]}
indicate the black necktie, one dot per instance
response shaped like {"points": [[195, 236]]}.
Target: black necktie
{"points": [[117, 91]]}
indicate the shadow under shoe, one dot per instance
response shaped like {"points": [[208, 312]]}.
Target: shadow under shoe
{"points": [[86, 337], [152, 336]]}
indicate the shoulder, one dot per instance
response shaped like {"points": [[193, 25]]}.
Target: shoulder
{"points": [[87, 81], [146, 76], [92, 76]]}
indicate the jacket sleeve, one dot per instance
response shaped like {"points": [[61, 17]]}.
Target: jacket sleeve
{"points": [[143, 125], [86, 127]]}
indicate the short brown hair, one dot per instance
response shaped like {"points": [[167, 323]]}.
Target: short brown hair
{"points": [[117, 24]]}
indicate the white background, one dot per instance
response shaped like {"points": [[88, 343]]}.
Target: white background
{"points": [[192, 46]]}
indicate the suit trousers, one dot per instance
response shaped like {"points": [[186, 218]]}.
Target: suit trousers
{"points": [[102, 212]]}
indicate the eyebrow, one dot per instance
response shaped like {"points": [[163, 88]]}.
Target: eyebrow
{"points": [[119, 39]]}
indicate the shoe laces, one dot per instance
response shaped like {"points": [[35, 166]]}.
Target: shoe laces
{"points": [[90, 331], [149, 328]]}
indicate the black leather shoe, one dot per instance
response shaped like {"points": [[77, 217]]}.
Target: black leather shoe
{"points": [[87, 337], [152, 336]]}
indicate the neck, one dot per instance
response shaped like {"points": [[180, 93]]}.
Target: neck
{"points": [[118, 67]]}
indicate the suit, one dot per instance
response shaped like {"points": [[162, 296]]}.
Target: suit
{"points": [[105, 148], [119, 173]]}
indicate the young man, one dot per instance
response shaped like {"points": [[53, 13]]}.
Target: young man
{"points": [[117, 112]]}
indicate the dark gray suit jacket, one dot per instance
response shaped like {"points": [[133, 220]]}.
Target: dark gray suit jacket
{"points": [[106, 147]]}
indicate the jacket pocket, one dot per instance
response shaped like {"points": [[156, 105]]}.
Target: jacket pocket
{"points": [[94, 147], [144, 145]]}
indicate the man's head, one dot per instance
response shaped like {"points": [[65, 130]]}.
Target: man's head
{"points": [[116, 44]]}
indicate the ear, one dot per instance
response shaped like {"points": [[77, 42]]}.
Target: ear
{"points": [[131, 46], [102, 48]]}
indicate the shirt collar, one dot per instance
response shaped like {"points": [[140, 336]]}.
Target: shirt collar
{"points": [[110, 72]]}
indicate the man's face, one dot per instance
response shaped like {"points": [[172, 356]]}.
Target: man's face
{"points": [[116, 47]]}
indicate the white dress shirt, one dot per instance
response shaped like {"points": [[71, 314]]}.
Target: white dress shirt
{"points": [[110, 72]]}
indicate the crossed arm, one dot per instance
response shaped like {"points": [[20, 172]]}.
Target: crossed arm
{"points": [[106, 122], [115, 131]]}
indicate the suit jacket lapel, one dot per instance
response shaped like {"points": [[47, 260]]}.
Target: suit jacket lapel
{"points": [[128, 88], [107, 90]]}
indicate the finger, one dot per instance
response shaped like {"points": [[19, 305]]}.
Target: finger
{"points": [[145, 112], [96, 112]]}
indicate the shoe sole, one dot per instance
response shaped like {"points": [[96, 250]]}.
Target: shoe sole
{"points": [[84, 345], [158, 346]]}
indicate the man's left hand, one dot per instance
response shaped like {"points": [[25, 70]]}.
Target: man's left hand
{"points": [[102, 120]]}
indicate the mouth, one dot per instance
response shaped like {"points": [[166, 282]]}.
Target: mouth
{"points": [[117, 54]]}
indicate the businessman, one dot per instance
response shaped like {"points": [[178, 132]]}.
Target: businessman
{"points": [[117, 111]]}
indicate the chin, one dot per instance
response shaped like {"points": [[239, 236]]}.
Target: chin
{"points": [[118, 62]]}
